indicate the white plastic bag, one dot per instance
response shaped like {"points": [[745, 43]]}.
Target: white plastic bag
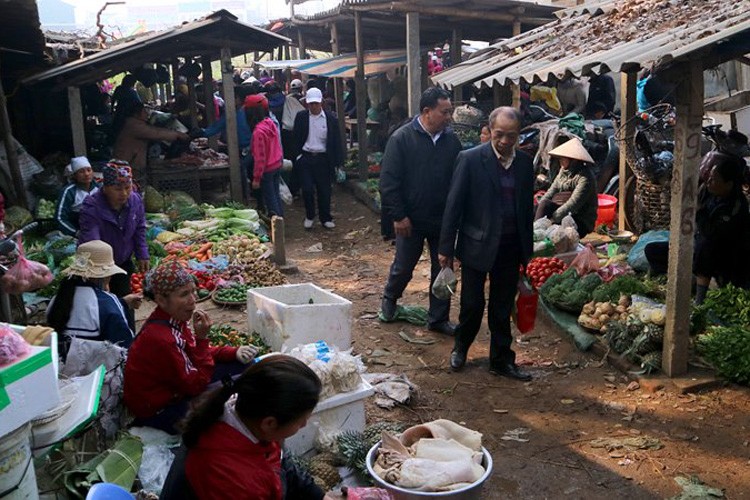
{"points": [[285, 193], [445, 284]]}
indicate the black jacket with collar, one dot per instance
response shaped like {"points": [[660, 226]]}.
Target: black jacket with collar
{"points": [[472, 208], [333, 140], [415, 175]]}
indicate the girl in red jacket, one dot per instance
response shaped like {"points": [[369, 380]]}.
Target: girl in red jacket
{"points": [[169, 363], [266, 151], [234, 434]]}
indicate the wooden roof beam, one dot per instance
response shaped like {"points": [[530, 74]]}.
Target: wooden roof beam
{"points": [[448, 12]]}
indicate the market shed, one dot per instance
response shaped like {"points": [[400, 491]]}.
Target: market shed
{"points": [[360, 25], [680, 39], [216, 36]]}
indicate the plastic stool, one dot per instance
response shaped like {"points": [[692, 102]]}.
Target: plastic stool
{"points": [[108, 491]]}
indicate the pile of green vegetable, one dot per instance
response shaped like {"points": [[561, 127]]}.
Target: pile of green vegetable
{"points": [[225, 334], [236, 294], [727, 306], [627, 284], [727, 348], [568, 291]]}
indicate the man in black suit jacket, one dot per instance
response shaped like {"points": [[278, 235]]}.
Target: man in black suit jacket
{"points": [[316, 133], [490, 206]]}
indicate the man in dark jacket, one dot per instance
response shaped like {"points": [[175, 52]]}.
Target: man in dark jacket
{"points": [[316, 133], [490, 207], [415, 177], [601, 90]]}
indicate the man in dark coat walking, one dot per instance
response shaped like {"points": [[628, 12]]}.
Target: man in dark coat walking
{"points": [[316, 133], [490, 207], [415, 177]]}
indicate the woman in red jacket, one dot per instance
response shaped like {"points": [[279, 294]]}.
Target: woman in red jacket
{"points": [[266, 151], [234, 435], [169, 363]]}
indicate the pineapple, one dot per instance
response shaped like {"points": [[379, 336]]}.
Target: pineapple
{"points": [[324, 474], [651, 362], [353, 449], [374, 431]]}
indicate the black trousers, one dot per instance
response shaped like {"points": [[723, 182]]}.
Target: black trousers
{"points": [[315, 176], [503, 286], [408, 252]]}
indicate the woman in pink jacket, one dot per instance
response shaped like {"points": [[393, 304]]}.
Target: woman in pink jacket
{"points": [[267, 154]]}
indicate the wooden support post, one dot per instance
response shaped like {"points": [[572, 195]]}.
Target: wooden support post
{"points": [[76, 121], [338, 88], [456, 59], [256, 68], [497, 95], [175, 75], [629, 108], [192, 102], [278, 239], [208, 98], [12, 155], [516, 89], [682, 224], [235, 176], [413, 63], [359, 82], [301, 44]]}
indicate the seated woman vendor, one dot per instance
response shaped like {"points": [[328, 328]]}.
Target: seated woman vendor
{"points": [[169, 363], [722, 236], [234, 435], [83, 306], [574, 189]]}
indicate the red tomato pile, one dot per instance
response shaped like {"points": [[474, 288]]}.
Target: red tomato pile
{"points": [[541, 268], [204, 280], [136, 282]]}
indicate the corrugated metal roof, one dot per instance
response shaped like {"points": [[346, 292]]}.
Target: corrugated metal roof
{"points": [[190, 39], [343, 66], [608, 36]]}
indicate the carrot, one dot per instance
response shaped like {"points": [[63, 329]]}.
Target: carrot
{"points": [[205, 247]]}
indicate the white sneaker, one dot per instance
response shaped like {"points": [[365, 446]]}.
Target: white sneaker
{"points": [[329, 224], [308, 223]]}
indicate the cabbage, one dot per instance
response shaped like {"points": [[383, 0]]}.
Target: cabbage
{"points": [[248, 214], [153, 200], [243, 224], [221, 212]]}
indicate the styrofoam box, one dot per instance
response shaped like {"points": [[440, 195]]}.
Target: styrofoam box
{"points": [[289, 315], [34, 393], [339, 413]]}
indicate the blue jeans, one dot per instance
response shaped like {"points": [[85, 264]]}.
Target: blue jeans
{"points": [[269, 187]]}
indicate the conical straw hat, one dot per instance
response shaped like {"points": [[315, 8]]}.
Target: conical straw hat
{"points": [[572, 149]]}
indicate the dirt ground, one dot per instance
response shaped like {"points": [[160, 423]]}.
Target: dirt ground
{"points": [[574, 399]]}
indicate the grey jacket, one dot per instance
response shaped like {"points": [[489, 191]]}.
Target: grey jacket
{"points": [[583, 202]]}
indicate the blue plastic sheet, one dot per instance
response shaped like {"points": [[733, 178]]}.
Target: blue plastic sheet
{"points": [[637, 256]]}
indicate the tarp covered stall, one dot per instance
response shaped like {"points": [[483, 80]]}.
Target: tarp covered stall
{"points": [[343, 66]]}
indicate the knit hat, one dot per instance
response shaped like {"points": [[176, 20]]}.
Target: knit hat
{"points": [[77, 164], [165, 278], [572, 149], [93, 259], [314, 95], [256, 100], [117, 173]]}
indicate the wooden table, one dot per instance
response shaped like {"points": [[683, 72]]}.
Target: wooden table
{"points": [[351, 126]]}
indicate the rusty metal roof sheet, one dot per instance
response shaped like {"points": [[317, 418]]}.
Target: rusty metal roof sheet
{"points": [[607, 36]]}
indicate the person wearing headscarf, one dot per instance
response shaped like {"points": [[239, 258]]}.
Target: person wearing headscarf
{"points": [[115, 215], [171, 362], [71, 197], [574, 189], [83, 306]]}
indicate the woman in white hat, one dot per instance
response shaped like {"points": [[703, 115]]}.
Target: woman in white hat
{"points": [[83, 307], [574, 189], [71, 198]]}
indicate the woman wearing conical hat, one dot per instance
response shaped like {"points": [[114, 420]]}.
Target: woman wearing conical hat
{"points": [[573, 190]]}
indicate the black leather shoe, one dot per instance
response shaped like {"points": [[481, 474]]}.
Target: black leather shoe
{"points": [[388, 309], [444, 327], [510, 370], [458, 359]]}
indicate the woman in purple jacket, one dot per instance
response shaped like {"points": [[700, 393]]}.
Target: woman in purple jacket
{"points": [[116, 216]]}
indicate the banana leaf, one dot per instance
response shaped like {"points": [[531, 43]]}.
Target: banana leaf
{"points": [[117, 465]]}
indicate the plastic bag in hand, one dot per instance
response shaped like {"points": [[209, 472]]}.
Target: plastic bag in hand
{"points": [[445, 284], [586, 261], [25, 275]]}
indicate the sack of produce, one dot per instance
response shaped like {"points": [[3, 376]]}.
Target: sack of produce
{"points": [[25, 275], [153, 200]]}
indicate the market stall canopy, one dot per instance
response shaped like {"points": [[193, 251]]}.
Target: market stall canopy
{"points": [[343, 66], [611, 36], [384, 23], [203, 36]]}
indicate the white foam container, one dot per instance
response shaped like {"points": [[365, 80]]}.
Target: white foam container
{"points": [[339, 413], [29, 384], [289, 315]]}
